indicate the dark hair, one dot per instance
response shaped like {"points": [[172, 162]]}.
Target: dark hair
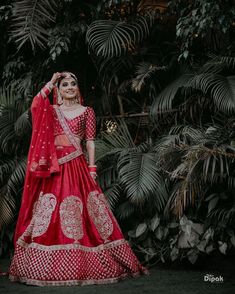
{"points": [[71, 74]]}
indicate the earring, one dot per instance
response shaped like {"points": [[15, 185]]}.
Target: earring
{"points": [[59, 98], [78, 99]]}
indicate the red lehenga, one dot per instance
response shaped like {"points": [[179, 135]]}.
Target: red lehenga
{"points": [[66, 233]]}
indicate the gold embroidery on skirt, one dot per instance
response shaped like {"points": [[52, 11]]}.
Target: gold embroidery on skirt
{"points": [[98, 212], [71, 217], [41, 218]]}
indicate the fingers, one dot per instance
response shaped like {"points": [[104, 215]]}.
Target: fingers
{"points": [[56, 76], [94, 176]]}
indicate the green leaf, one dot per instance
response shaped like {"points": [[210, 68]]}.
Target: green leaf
{"points": [[222, 247], [232, 239], [174, 253], [30, 20], [141, 229], [155, 221], [139, 175], [192, 256], [113, 38], [212, 203]]}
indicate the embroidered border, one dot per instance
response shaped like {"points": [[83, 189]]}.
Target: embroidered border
{"points": [[74, 266], [69, 157], [98, 248], [76, 282]]}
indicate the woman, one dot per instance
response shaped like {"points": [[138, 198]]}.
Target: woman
{"points": [[66, 233]]}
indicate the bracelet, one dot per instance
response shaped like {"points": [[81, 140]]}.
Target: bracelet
{"points": [[92, 168], [93, 173], [49, 85]]}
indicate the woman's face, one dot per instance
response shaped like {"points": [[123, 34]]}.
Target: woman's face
{"points": [[69, 88]]}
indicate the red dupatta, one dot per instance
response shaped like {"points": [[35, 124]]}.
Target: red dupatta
{"points": [[42, 159]]}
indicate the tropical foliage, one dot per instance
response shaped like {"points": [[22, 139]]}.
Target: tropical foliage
{"points": [[160, 76], [15, 130]]}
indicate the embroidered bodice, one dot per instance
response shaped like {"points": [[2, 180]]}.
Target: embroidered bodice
{"points": [[82, 126]]}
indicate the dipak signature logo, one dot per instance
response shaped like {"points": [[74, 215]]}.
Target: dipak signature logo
{"points": [[213, 279]]}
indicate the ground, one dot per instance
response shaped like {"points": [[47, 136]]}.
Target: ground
{"points": [[162, 280]]}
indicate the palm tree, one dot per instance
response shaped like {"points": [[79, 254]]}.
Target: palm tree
{"points": [[210, 85], [15, 132], [129, 174]]}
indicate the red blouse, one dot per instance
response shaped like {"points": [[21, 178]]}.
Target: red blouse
{"points": [[83, 125]]}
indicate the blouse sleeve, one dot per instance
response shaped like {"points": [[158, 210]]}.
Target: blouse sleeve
{"points": [[90, 125]]}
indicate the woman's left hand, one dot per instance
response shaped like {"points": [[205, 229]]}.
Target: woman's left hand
{"points": [[94, 176]]}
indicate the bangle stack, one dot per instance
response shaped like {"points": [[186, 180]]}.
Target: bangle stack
{"points": [[92, 170], [50, 85]]}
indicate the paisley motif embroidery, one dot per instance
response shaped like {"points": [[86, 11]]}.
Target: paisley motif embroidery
{"points": [[71, 217], [42, 212], [98, 212]]}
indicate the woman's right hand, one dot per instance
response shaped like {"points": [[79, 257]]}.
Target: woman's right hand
{"points": [[56, 76]]}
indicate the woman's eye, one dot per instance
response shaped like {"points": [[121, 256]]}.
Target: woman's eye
{"points": [[65, 84], [73, 84]]}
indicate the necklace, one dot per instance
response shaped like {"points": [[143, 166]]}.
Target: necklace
{"points": [[69, 102], [73, 112]]}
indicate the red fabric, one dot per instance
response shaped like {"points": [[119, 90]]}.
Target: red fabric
{"points": [[90, 126], [84, 125], [66, 233], [42, 160], [73, 179]]}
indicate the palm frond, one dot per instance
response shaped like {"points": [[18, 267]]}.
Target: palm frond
{"points": [[164, 101], [217, 64], [7, 166], [16, 180], [30, 20], [7, 96], [13, 175], [226, 216], [184, 132], [23, 125], [107, 172], [183, 195], [8, 140], [113, 195], [113, 38], [228, 60], [113, 70], [222, 211], [140, 177], [114, 141], [7, 207], [144, 72], [221, 89], [125, 210]]}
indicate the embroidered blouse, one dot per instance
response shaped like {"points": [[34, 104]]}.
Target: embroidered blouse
{"points": [[82, 126]]}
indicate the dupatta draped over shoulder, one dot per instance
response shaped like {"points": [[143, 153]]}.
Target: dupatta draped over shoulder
{"points": [[42, 159]]}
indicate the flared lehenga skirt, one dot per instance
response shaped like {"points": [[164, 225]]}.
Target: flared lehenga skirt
{"points": [[69, 235]]}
